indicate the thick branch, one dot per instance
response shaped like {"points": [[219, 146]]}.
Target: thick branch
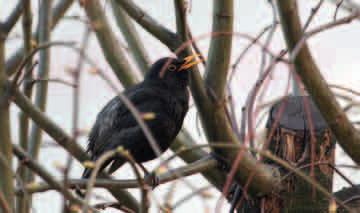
{"points": [[23, 204], [6, 177], [212, 113], [13, 18], [220, 47], [132, 37], [344, 131], [108, 42], [43, 72], [64, 140], [184, 140], [147, 22]]}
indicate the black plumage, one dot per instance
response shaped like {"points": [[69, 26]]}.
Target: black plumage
{"points": [[163, 92]]}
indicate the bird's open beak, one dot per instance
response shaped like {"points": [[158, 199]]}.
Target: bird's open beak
{"points": [[190, 61]]}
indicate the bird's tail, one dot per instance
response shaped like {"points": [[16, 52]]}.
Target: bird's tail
{"points": [[86, 174]]}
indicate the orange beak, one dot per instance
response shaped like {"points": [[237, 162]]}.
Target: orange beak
{"points": [[190, 61]]}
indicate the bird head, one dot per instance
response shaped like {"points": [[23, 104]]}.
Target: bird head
{"points": [[173, 71]]}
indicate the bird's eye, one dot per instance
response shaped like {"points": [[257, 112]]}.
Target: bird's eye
{"points": [[172, 67]]}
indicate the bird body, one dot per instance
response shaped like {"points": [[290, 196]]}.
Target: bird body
{"points": [[165, 96]]}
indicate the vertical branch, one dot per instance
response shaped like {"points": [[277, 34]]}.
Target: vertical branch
{"points": [[43, 73], [348, 137], [181, 21], [58, 12], [212, 113], [76, 103], [220, 47], [23, 206], [6, 178], [31, 163], [115, 56], [132, 37]]}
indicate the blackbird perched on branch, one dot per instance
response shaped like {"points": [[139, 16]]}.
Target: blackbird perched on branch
{"points": [[164, 94]]}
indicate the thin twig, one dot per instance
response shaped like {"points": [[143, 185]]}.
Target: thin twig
{"points": [[35, 167], [99, 164], [338, 5]]}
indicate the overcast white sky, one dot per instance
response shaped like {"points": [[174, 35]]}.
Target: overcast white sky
{"points": [[336, 52]]}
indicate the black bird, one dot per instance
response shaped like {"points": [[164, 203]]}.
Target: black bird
{"points": [[163, 92]]}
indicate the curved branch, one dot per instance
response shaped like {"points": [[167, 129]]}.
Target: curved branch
{"points": [[29, 162], [101, 161], [63, 139], [350, 196], [306, 68], [58, 12], [188, 170]]}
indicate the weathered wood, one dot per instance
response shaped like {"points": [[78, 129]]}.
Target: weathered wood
{"points": [[301, 137]]}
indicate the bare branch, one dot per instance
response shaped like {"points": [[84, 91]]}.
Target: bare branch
{"points": [[43, 72], [132, 37], [29, 162], [13, 17], [23, 203], [141, 17], [115, 56], [99, 163], [6, 179], [58, 12], [347, 136], [188, 170], [64, 140], [220, 47]]}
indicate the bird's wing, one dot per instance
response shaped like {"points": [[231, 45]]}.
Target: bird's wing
{"points": [[117, 126]]}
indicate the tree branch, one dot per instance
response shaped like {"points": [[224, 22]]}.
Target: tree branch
{"points": [[6, 178], [212, 113], [151, 25], [132, 37], [43, 72], [344, 131], [13, 18], [58, 12], [64, 140], [215, 176], [205, 164], [220, 47], [108, 42], [23, 204]]}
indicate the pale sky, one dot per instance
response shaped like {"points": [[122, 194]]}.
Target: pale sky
{"points": [[336, 52]]}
